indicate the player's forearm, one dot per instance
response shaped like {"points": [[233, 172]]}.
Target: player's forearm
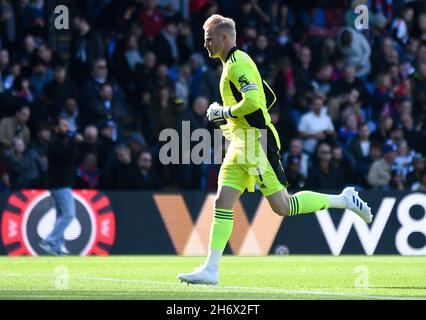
{"points": [[249, 104]]}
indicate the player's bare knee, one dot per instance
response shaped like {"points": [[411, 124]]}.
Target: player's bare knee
{"points": [[219, 203], [281, 208]]}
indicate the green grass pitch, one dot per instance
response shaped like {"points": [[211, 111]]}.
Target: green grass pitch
{"points": [[272, 277]]}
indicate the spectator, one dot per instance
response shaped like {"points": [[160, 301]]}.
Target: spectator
{"points": [[59, 89], [25, 168], [87, 175], [146, 177], [360, 145], [349, 130], [107, 106], [404, 158], [397, 180], [41, 141], [323, 175], [296, 151], [72, 114], [295, 179], [122, 174], [15, 127], [90, 143], [379, 175], [151, 19], [137, 144], [169, 47], [106, 144], [86, 47], [340, 160], [418, 164], [420, 185], [356, 50], [315, 125]]}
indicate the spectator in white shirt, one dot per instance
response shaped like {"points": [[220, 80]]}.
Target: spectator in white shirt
{"points": [[315, 125]]}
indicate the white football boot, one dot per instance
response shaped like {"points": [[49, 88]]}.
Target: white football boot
{"points": [[200, 275], [355, 204]]}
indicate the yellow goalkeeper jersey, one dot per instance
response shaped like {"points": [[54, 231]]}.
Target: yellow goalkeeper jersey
{"points": [[242, 88]]}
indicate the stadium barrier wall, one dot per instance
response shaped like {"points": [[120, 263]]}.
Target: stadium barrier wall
{"points": [[165, 223]]}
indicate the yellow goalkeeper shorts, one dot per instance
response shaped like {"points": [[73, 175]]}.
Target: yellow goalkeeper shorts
{"points": [[241, 170]]}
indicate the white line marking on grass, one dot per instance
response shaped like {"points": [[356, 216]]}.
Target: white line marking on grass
{"points": [[244, 289]]}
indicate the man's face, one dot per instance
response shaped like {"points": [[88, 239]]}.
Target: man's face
{"points": [[24, 115], [63, 126], [124, 156], [296, 147], [324, 153], [145, 161], [213, 42]]}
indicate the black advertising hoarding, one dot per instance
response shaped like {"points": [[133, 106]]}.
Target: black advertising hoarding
{"points": [[166, 223]]}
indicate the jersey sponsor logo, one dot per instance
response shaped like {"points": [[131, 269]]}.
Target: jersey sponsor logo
{"points": [[249, 87], [29, 217], [243, 81]]}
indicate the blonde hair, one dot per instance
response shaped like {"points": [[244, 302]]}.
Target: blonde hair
{"points": [[220, 23]]}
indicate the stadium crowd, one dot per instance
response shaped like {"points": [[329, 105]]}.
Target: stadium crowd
{"points": [[350, 110]]}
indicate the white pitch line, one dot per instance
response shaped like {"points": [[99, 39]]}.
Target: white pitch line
{"points": [[247, 289]]}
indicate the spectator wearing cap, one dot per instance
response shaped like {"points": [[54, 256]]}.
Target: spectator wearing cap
{"points": [[418, 164], [146, 177], [137, 144], [356, 50], [295, 179], [323, 174], [315, 125], [15, 127], [379, 175]]}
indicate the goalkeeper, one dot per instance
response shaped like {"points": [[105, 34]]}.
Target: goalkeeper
{"points": [[246, 99]]}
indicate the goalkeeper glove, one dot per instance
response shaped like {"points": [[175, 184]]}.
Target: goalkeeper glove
{"points": [[216, 112]]}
